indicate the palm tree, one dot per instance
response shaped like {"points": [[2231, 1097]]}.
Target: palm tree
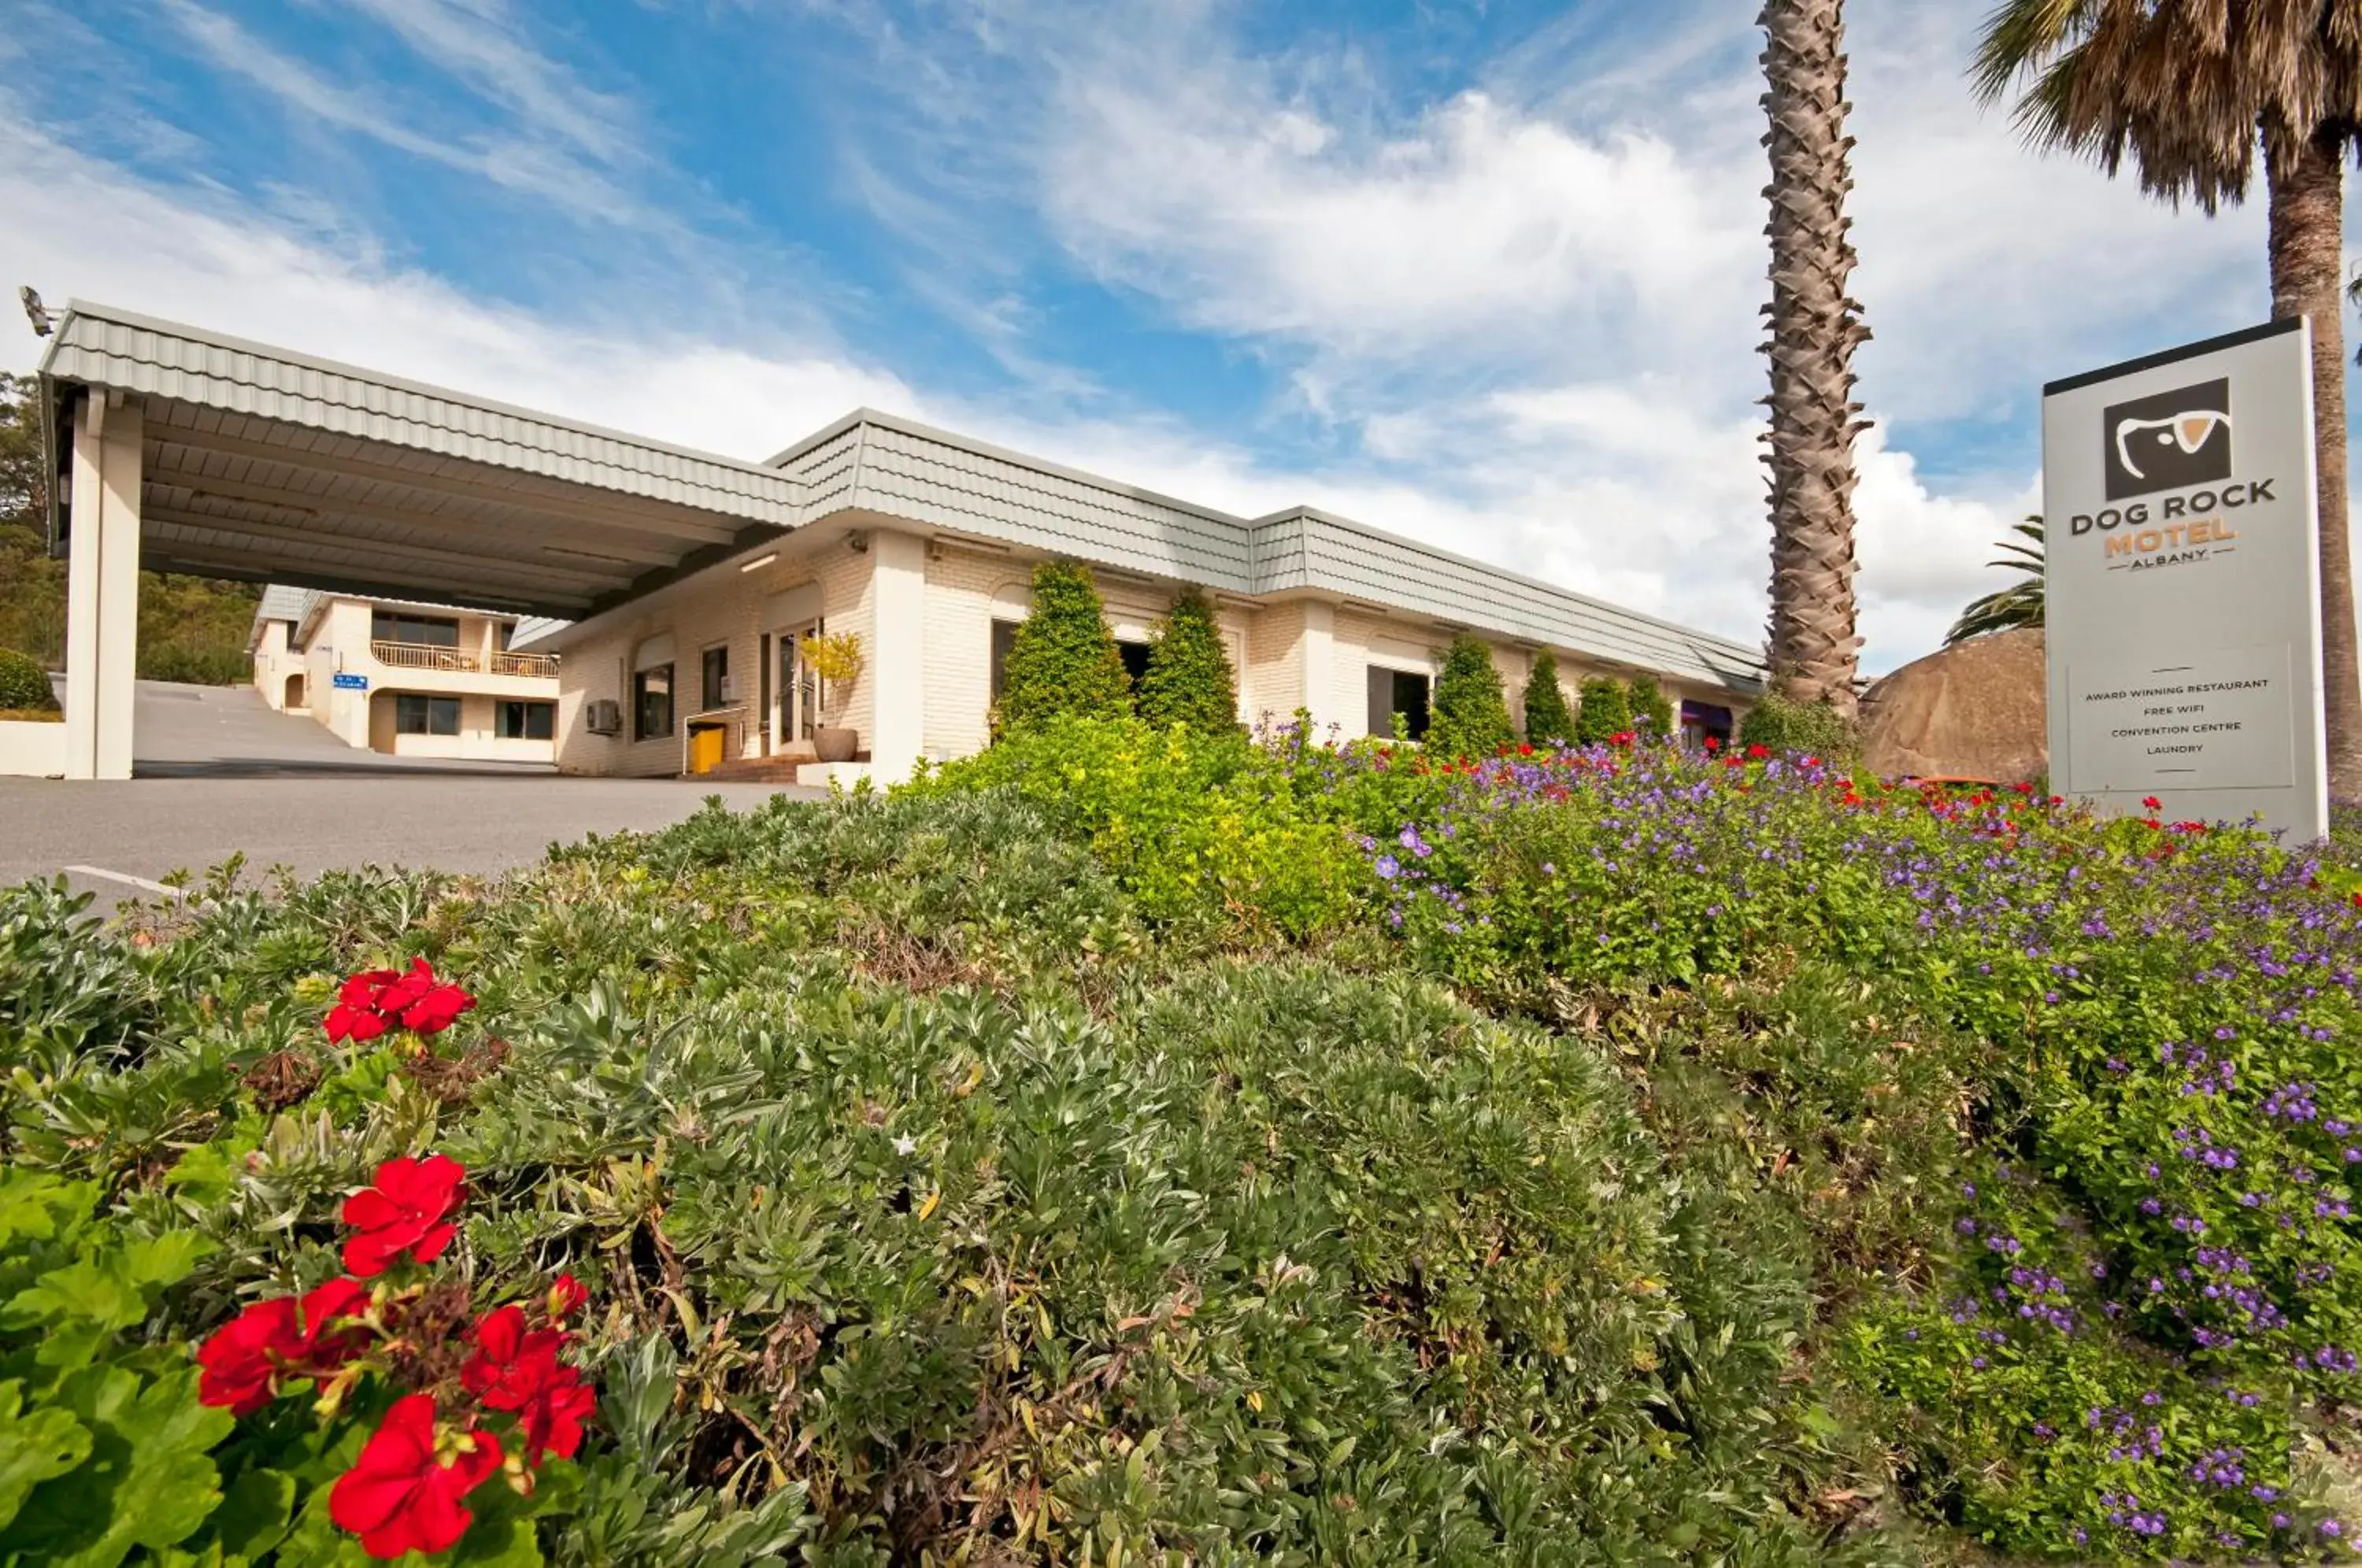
{"points": [[2019, 604], [2188, 89], [1815, 327]]}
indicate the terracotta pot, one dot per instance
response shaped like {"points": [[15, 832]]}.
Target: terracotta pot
{"points": [[836, 743]]}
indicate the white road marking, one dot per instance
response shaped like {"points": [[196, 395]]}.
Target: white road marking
{"points": [[158, 888]]}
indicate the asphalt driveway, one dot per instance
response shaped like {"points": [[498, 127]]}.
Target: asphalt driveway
{"points": [[218, 772]]}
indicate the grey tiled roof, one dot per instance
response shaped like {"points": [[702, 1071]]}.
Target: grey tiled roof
{"points": [[880, 463]]}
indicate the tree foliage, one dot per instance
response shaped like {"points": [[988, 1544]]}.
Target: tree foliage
{"points": [[1470, 714], [1548, 720], [1812, 729], [1063, 659], [191, 628], [2019, 604], [1188, 681], [1652, 711], [1605, 710]]}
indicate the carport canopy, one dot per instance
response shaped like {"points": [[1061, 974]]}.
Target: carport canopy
{"points": [[178, 450]]}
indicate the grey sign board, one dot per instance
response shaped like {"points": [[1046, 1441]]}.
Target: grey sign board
{"points": [[2183, 584]]}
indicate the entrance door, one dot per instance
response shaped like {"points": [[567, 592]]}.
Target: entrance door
{"points": [[796, 711]]}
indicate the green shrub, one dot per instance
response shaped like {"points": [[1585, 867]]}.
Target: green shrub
{"points": [[198, 666], [1605, 710], [1197, 827], [1469, 717], [1064, 659], [1812, 729], [23, 684], [1188, 681], [1548, 722], [1652, 711]]}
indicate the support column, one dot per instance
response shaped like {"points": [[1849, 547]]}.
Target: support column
{"points": [[103, 588], [896, 656], [1317, 659]]}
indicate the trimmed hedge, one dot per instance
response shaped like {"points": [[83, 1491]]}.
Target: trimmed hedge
{"points": [[1188, 681], [23, 684], [1548, 720], [1812, 729], [1606, 709], [1063, 660], [1470, 716]]}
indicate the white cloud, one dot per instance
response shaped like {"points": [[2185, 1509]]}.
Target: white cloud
{"points": [[84, 228]]}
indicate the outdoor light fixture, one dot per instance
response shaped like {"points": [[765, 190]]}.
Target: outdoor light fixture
{"points": [[858, 542], [35, 312], [759, 562]]}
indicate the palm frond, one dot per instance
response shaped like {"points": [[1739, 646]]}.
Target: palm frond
{"points": [[2019, 604]]}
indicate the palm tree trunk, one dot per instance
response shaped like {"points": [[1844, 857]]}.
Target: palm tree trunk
{"points": [[2306, 215], [1814, 328]]}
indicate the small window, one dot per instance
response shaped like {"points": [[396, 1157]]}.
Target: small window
{"points": [[713, 666], [1700, 720], [502, 631], [652, 703], [423, 630], [1136, 660], [1004, 637], [1396, 691], [415, 716], [525, 721]]}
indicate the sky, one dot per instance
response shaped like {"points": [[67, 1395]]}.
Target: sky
{"points": [[1486, 274]]}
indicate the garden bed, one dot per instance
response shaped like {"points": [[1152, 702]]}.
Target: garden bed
{"points": [[1127, 1145]]}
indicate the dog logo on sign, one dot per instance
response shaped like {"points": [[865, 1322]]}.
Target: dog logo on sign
{"points": [[2168, 440]]}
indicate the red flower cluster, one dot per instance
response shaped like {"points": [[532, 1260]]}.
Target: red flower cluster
{"points": [[407, 1491], [406, 1214], [378, 999]]}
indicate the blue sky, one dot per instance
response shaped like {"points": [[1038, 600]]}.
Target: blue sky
{"points": [[1486, 274]]}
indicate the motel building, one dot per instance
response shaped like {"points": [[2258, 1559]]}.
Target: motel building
{"points": [[404, 677], [687, 582]]}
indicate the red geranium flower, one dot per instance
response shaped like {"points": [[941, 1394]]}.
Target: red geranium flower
{"points": [[376, 999], [513, 1362], [2150, 802], [406, 1492], [247, 1356], [1758, 753], [406, 1214], [567, 1295], [347, 1021], [553, 1422], [242, 1359]]}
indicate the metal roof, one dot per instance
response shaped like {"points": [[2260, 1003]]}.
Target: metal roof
{"points": [[880, 463], [276, 466], [279, 467]]}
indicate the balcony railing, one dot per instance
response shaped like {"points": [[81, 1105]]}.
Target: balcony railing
{"points": [[524, 664], [429, 656]]}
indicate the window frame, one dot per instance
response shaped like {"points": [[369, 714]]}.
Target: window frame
{"points": [[653, 684], [397, 626], [432, 706], [526, 709], [1416, 718], [712, 676]]}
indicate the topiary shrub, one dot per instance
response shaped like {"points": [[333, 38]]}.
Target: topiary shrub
{"points": [[1063, 659], [1816, 729], [1469, 717], [1607, 710], [1548, 720], [1188, 681], [1652, 711], [23, 684]]}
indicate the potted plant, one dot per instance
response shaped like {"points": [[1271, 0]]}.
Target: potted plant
{"points": [[835, 657]]}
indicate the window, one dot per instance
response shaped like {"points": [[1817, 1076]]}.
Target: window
{"points": [[652, 703], [1004, 637], [1699, 720], [1136, 660], [502, 631], [414, 715], [427, 630], [713, 667], [524, 721], [1396, 691]]}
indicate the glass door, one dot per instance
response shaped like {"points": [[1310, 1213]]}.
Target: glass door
{"points": [[797, 705]]}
